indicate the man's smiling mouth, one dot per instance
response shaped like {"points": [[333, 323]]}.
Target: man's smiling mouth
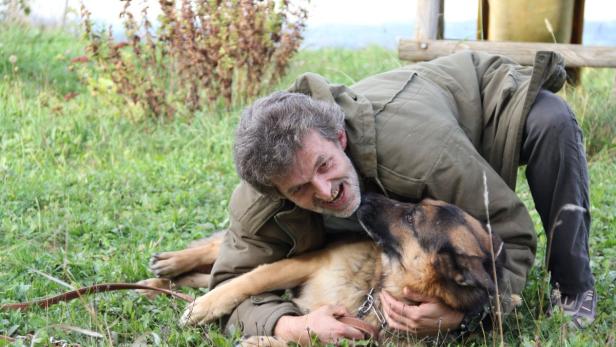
{"points": [[338, 198]]}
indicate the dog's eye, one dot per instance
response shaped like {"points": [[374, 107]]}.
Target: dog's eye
{"points": [[410, 218]]}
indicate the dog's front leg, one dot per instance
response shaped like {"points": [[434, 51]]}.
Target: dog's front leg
{"points": [[174, 264], [284, 274]]}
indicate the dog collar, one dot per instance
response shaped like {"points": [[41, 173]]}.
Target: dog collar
{"points": [[367, 306]]}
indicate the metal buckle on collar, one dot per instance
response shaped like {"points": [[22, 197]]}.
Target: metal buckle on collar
{"points": [[367, 305]]}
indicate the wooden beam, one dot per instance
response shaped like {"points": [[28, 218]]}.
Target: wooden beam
{"points": [[521, 52], [427, 20]]}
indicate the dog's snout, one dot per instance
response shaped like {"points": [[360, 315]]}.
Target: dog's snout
{"points": [[372, 200], [370, 204]]}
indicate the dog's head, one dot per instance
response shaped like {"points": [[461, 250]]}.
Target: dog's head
{"points": [[433, 248]]}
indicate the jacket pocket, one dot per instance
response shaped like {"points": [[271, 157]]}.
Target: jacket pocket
{"points": [[405, 188]]}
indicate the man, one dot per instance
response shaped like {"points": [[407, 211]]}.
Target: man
{"points": [[432, 129]]}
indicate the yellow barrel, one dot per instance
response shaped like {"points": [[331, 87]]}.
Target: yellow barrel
{"points": [[525, 20]]}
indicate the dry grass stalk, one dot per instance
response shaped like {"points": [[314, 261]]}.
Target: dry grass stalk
{"points": [[499, 313]]}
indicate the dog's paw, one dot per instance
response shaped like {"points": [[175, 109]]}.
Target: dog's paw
{"points": [[170, 264], [208, 308], [162, 283]]}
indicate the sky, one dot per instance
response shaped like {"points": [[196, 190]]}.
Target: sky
{"points": [[326, 11], [396, 11], [348, 23]]}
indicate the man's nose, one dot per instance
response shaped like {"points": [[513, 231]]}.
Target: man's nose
{"points": [[323, 188]]}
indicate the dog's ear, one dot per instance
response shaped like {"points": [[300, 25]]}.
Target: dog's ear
{"points": [[464, 270], [474, 273], [479, 271]]}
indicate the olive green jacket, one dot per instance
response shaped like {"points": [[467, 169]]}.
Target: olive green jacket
{"points": [[432, 129]]}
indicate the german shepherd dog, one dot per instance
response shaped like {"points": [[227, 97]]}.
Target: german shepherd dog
{"points": [[432, 247]]}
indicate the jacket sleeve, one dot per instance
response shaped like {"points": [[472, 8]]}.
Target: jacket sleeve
{"points": [[247, 244], [488, 92], [458, 177]]}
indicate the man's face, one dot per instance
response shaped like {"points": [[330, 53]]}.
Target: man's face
{"points": [[323, 178]]}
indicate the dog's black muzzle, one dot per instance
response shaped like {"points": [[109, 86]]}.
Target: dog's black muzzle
{"points": [[374, 214]]}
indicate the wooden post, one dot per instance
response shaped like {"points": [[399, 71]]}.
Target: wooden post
{"points": [[440, 31], [427, 20], [483, 22]]}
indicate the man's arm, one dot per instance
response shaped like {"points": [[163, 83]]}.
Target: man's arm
{"points": [[269, 314], [488, 92], [239, 254], [242, 250], [458, 177], [253, 238]]}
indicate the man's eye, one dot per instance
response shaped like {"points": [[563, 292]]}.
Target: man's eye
{"points": [[324, 166], [297, 190]]}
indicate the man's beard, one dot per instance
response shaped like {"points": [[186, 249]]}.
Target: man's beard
{"points": [[351, 191]]}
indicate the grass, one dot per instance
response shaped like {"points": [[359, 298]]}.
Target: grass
{"points": [[88, 191]]}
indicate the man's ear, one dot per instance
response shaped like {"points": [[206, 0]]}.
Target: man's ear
{"points": [[342, 139]]}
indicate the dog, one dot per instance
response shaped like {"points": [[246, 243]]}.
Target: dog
{"points": [[431, 247]]}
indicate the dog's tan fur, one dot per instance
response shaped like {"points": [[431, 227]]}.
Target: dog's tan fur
{"points": [[432, 247]]}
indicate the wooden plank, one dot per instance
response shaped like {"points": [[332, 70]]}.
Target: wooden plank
{"points": [[427, 20], [521, 52]]}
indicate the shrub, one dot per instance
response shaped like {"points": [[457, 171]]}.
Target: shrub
{"points": [[206, 52]]}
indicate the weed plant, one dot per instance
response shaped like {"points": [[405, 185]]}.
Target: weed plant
{"points": [[205, 53]]}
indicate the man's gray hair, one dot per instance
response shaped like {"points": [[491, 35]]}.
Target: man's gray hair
{"points": [[272, 130]]}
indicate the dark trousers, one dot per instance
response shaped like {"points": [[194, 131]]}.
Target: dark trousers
{"points": [[557, 175]]}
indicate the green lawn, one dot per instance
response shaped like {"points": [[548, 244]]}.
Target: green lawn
{"points": [[88, 191]]}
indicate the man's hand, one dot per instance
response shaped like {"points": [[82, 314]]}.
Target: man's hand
{"points": [[423, 319], [322, 323]]}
